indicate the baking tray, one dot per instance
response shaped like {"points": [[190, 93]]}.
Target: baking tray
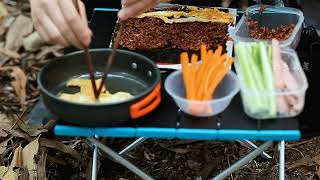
{"points": [[168, 58]]}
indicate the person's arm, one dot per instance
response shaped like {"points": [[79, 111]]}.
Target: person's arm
{"points": [[58, 22], [132, 8]]}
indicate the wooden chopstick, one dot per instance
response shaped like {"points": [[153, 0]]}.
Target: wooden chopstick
{"points": [[88, 60], [91, 70], [111, 56]]}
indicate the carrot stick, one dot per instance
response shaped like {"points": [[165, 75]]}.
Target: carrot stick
{"points": [[185, 72], [212, 71], [221, 72], [203, 52], [194, 60], [219, 50], [213, 68], [203, 65], [201, 76]]}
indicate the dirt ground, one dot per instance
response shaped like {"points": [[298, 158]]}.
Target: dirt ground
{"points": [[71, 158], [173, 159]]}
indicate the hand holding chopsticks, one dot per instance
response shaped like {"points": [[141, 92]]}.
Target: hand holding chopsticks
{"points": [[109, 62], [58, 22], [88, 59]]}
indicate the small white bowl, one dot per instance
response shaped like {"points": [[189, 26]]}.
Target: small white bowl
{"points": [[223, 95]]}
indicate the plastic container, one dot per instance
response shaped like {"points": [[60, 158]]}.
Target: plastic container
{"points": [[271, 17], [291, 59], [224, 93]]}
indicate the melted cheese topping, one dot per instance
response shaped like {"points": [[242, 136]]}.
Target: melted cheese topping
{"points": [[86, 94], [195, 15]]}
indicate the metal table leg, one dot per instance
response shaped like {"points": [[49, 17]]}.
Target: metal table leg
{"points": [[282, 160], [95, 163], [120, 159], [133, 145], [253, 146], [243, 161]]}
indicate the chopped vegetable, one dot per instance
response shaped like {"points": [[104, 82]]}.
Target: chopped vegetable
{"points": [[201, 80], [265, 76], [256, 71]]}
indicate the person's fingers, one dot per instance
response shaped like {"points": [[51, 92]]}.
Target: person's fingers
{"points": [[136, 9], [83, 14], [58, 19], [39, 29], [53, 33], [76, 23], [127, 3], [36, 23]]}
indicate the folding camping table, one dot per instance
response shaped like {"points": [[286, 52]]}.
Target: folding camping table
{"points": [[168, 122]]}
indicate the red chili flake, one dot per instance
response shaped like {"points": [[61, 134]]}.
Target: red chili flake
{"points": [[281, 33]]}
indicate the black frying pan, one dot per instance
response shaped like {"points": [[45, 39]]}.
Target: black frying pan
{"points": [[131, 72]]}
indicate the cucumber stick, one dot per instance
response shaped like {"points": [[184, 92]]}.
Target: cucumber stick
{"points": [[254, 67]]}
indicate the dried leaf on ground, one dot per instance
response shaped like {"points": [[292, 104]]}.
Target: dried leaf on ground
{"points": [[318, 172], [19, 133], [17, 158], [10, 175], [3, 170], [3, 145], [9, 53], [33, 42], [180, 150], [21, 27], [46, 50], [6, 124], [146, 155], [316, 159], [28, 154], [306, 162], [3, 10], [41, 169], [60, 147], [8, 21], [20, 82], [2, 30], [55, 160], [32, 130], [49, 125], [75, 143], [89, 170]]}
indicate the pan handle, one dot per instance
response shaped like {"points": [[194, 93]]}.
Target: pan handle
{"points": [[147, 104]]}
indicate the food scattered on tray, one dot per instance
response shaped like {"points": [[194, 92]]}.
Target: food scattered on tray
{"points": [[280, 33], [201, 80], [269, 83], [178, 28], [86, 94]]}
